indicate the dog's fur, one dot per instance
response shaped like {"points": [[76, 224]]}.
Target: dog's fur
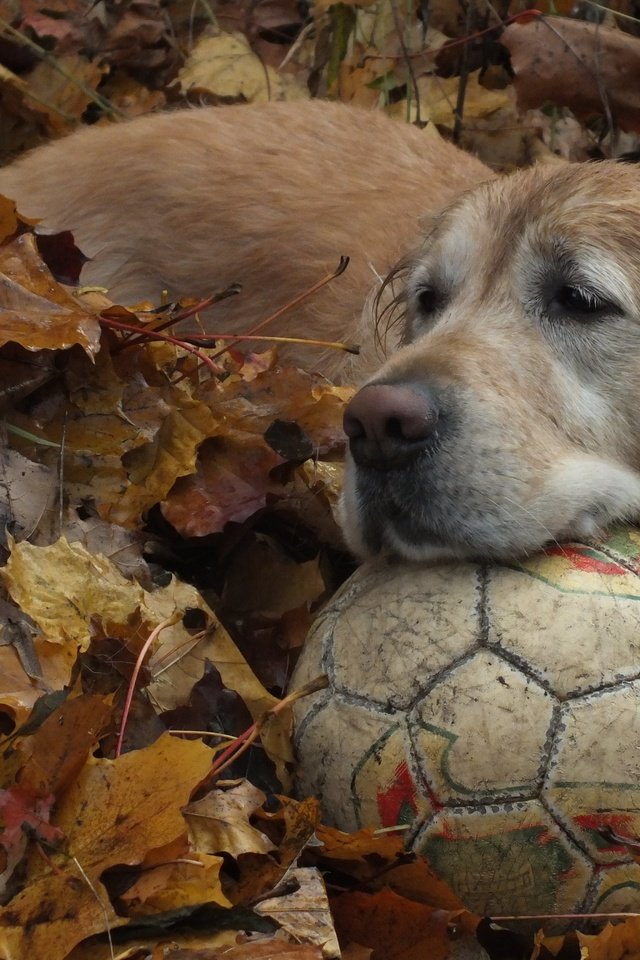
{"points": [[268, 196], [522, 304]]}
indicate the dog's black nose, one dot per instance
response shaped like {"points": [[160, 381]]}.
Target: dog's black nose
{"points": [[388, 424]]}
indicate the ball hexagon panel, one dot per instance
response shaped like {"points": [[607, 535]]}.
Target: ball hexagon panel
{"points": [[583, 608], [616, 889], [482, 732], [511, 854], [364, 772], [390, 650], [593, 781]]}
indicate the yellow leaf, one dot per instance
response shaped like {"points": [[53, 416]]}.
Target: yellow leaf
{"points": [[154, 467], [63, 587], [113, 813], [225, 66], [439, 95]]}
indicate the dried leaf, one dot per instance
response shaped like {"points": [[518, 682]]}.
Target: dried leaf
{"points": [[63, 588], [113, 813], [35, 310], [225, 66], [304, 912], [220, 821], [396, 929], [584, 66]]}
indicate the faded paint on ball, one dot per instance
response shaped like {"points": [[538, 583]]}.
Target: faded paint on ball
{"points": [[493, 711]]}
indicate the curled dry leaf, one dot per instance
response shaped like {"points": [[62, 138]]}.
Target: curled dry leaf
{"points": [[591, 69], [35, 310], [154, 467], [220, 820], [303, 911]]}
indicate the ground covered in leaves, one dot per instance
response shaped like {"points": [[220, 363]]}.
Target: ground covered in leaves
{"points": [[167, 506]]}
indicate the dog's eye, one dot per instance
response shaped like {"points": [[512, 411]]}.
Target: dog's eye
{"points": [[580, 302], [427, 301]]}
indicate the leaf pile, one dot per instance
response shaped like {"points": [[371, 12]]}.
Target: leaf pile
{"points": [[167, 506]]}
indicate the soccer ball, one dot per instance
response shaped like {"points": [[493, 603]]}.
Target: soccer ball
{"points": [[494, 713]]}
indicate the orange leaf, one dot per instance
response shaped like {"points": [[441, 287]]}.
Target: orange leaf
{"points": [[396, 928], [35, 310]]}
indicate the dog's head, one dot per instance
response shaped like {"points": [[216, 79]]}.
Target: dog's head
{"points": [[510, 415]]}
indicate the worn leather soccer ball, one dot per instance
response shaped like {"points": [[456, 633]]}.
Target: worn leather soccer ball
{"points": [[494, 712]]}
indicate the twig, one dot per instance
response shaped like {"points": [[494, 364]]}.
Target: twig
{"points": [[407, 59], [154, 335], [244, 741], [169, 622], [199, 340], [342, 266], [464, 74], [185, 314]]}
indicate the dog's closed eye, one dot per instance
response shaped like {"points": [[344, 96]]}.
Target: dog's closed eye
{"points": [[578, 302]]}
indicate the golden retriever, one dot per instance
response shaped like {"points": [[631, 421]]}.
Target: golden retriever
{"points": [[506, 415]]}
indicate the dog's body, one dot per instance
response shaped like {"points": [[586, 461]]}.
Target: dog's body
{"points": [[270, 197], [509, 416]]}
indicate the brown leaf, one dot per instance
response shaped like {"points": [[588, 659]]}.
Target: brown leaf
{"points": [[35, 311], [231, 482], [22, 505], [380, 860], [64, 96], [8, 218], [396, 929], [58, 750], [584, 66], [279, 584], [18, 691], [303, 911]]}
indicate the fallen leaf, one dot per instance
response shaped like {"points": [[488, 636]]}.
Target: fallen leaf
{"points": [[225, 66], [114, 812], [219, 822], [619, 942], [35, 310], [396, 928], [303, 912], [584, 66], [63, 588]]}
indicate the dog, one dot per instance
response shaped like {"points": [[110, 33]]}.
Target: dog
{"points": [[505, 414]]}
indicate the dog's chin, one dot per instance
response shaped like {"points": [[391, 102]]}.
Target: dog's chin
{"points": [[584, 495]]}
